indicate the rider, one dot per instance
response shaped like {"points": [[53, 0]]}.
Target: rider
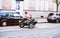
{"points": [[26, 16]]}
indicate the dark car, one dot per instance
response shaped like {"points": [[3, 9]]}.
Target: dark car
{"points": [[9, 18], [53, 17]]}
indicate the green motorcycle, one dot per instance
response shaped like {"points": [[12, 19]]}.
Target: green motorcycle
{"points": [[30, 23]]}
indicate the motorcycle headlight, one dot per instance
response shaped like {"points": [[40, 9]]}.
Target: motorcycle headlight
{"points": [[19, 21]]}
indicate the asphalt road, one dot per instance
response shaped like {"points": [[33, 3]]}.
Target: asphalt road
{"points": [[41, 30]]}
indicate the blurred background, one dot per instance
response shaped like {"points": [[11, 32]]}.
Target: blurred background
{"points": [[37, 8]]}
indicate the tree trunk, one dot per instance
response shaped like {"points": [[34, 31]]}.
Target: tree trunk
{"points": [[57, 8]]}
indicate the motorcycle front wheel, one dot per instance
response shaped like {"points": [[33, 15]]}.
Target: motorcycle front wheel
{"points": [[31, 26]]}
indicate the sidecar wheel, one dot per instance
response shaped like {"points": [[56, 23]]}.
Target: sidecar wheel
{"points": [[21, 25], [31, 26]]}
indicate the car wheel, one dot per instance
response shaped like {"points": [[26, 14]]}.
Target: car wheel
{"points": [[21, 25], [4, 23], [31, 26]]}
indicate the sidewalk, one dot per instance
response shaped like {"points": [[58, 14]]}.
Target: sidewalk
{"points": [[41, 20]]}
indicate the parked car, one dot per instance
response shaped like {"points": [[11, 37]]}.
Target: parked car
{"points": [[9, 18], [53, 17]]}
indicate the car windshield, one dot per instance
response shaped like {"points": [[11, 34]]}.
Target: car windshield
{"points": [[10, 14], [6, 14], [2, 14]]}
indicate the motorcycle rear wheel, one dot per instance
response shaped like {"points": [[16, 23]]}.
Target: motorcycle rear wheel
{"points": [[21, 25]]}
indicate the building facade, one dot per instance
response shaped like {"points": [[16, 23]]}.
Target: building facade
{"points": [[42, 5], [40, 8], [7, 4]]}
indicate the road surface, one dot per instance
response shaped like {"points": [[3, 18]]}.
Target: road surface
{"points": [[41, 30]]}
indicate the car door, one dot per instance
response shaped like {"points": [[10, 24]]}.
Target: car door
{"points": [[13, 20]]}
